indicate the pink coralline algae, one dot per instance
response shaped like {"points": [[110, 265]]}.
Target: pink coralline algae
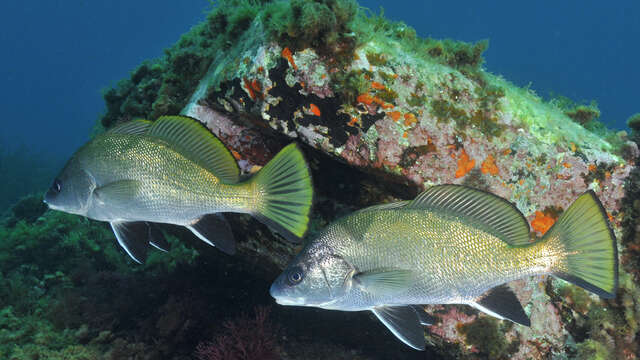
{"points": [[243, 338], [425, 124]]}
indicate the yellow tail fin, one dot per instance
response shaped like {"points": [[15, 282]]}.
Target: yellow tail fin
{"points": [[287, 193], [591, 255]]}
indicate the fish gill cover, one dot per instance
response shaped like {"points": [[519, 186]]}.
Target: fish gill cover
{"points": [[382, 114]]}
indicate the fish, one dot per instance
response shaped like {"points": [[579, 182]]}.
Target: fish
{"points": [[450, 245], [175, 171]]}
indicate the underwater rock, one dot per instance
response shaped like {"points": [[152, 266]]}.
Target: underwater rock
{"points": [[385, 114]]}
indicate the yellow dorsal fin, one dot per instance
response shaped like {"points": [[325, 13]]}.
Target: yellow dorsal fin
{"points": [[386, 206], [497, 215], [193, 140], [134, 127]]}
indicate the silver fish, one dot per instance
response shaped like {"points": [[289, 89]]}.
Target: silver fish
{"points": [[450, 245], [175, 171]]}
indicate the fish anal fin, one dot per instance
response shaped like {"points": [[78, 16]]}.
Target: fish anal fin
{"points": [[502, 303], [215, 231], [496, 215], [156, 238], [403, 322], [385, 281], [133, 237], [424, 318]]}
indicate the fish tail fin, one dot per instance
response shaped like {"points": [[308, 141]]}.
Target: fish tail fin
{"points": [[590, 257], [286, 193]]}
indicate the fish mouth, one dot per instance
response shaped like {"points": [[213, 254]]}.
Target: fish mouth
{"points": [[290, 301], [51, 206], [281, 298]]}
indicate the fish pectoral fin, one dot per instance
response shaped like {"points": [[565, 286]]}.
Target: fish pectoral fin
{"points": [[424, 318], [156, 238], [214, 226], [502, 303], [117, 192], [133, 237], [403, 322], [385, 281]]}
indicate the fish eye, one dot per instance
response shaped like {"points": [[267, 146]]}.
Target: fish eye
{"points": [[295, 276], [56, 186]]}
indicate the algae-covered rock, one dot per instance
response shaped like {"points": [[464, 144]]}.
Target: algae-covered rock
{"points": [[385, 114]]}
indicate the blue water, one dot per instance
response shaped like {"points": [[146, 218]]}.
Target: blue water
{"points": [[59, 55], [585, 50]]}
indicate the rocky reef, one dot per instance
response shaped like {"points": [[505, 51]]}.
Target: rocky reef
{"points": [[381, 114]]}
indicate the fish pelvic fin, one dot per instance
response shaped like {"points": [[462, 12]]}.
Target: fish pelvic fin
{"points": [[137, 237], [285, 194], [404, 322], [589, 254]]}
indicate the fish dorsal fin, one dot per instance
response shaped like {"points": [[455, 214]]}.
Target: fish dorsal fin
{"points": [[387, 206], [502, 303], [499, 217], [385, 281], [134, 127], [403, 322], [192, 139]]}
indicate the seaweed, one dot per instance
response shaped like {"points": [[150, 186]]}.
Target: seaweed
{"points": [[633, 122], [486, 334], [350, 84], [322, 25], [583, 114]]}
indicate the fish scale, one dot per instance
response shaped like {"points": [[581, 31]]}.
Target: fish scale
{"points": [[450, 245], [175, 171], [174, 189], [466, 258]]}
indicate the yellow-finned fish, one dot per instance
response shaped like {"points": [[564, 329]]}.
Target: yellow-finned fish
{"points": [[175, 171], [450, 245]]}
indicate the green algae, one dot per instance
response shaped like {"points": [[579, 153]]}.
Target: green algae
{"points": [[601, 172], [298, 24], [334, 28], [464, 57], [633, 122], [583, 114], [57, 272], [387, 94], [490, 93], [376, 59], [486, 334], [416, 100], [350, 84], [592, 350], [29, 209]]}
